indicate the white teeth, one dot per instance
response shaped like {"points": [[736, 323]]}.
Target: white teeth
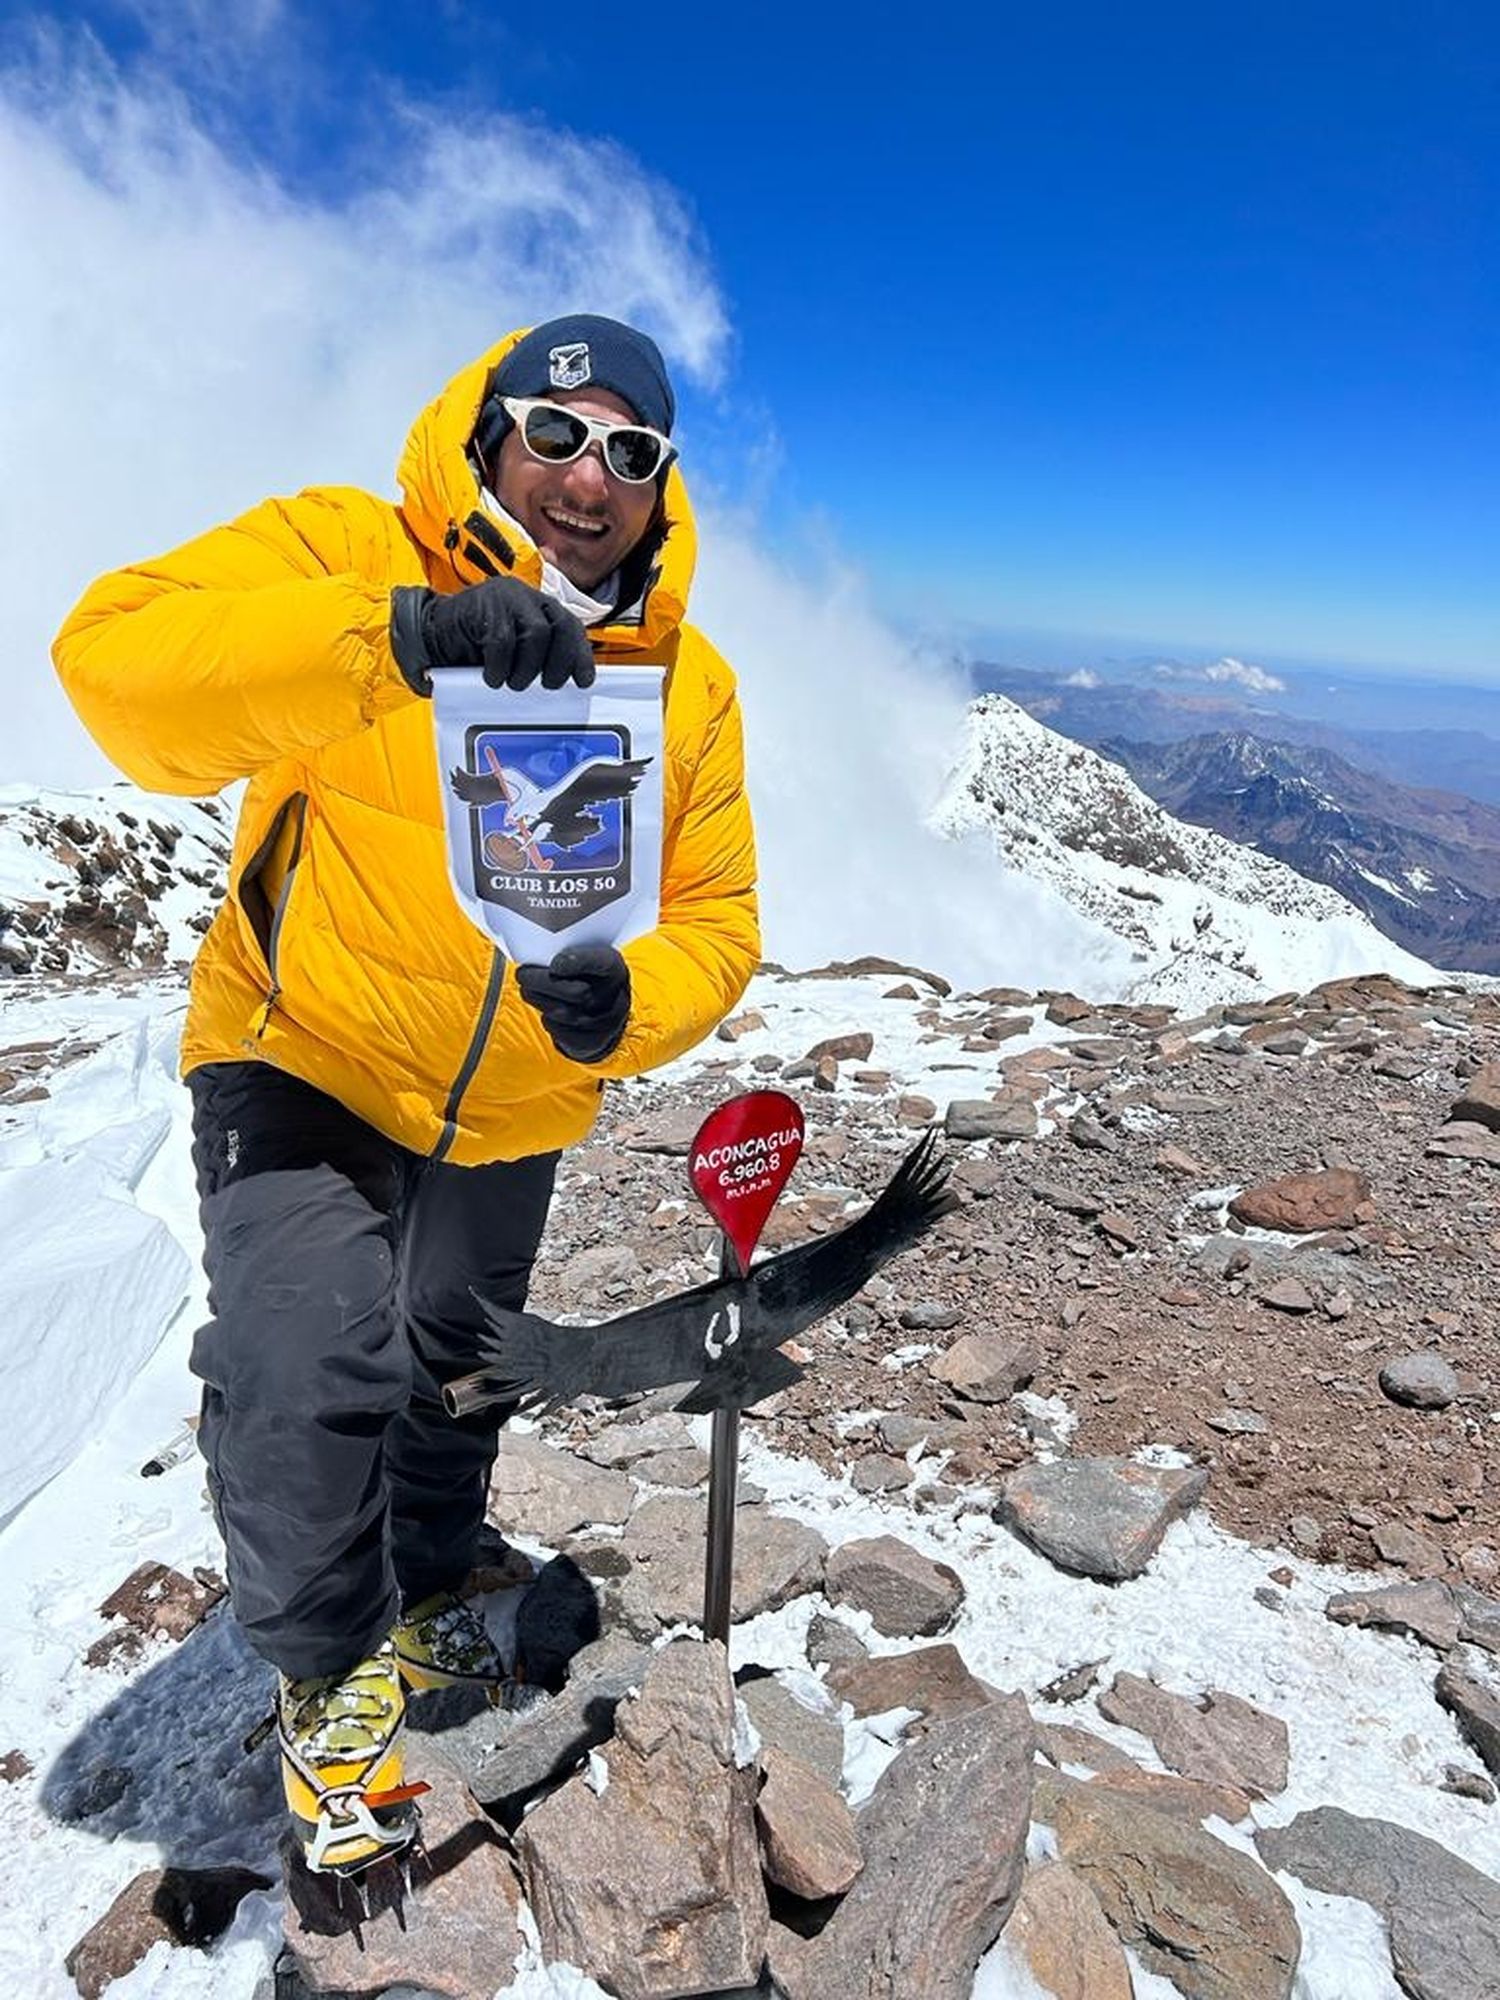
{"points": [[579, 523]]}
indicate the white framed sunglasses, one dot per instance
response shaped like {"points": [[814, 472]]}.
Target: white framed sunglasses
{"points": [[557, 435]]}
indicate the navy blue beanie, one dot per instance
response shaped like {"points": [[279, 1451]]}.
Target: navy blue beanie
{"points": [[581, 350]]}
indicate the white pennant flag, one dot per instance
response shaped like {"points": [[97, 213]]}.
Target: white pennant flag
{"points": [[553, 799]]}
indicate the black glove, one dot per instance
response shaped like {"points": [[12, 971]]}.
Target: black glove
{"points": [[501, 625], [583, 997]]}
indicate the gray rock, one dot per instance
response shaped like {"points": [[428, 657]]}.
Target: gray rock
{"points": [[1100, 1517], [548, 1493], [545, 1741], [1085, 1130], [899, 1432], [1476, 1709], [1465, 1784], [176, 1906], [1012, 1117], [929, 1316], [782, 1722], [831, 1643], [775, 1559], [1466, 1142], [464, 1946], [1291, 1043], [1221, 1739], [1428, 1611], [687, 1468], [1397, 1543], [987, 1367], [588, 1271], [651, 1883], [1288, 1295], [672, 1135], [619, 1445], [1478, 1618], [808, 1838], [1086, 1206], [906, 1594], [1199, 1913], [1420, 1381], [1443, 1916], [879, 1472], [1238, 1423], [944, 1839]]}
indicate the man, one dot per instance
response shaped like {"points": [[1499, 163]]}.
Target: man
{"points": [[378, 1100]]}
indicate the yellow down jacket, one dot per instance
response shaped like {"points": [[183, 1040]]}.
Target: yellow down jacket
{"points": [[261, 651]]}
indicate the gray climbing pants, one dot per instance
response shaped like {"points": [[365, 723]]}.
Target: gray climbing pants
{"points": [[342, 1278]]}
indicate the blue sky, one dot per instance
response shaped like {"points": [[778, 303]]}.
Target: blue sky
{"points": [[1166, 323]]}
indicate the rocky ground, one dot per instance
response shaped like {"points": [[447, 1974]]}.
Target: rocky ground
{"points": [[1004, 1712], [1102, 1245]]}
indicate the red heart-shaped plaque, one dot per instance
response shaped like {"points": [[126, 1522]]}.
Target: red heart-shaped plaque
{"points": [[740, 1162]]}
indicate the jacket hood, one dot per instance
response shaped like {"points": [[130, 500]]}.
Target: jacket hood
{"points": [[442, 507]]}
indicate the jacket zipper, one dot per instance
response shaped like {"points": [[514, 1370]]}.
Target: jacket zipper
{"points": [[273, 937], [466, 1069]]}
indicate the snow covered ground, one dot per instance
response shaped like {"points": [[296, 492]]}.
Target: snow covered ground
{"points": [[101, 1295]]}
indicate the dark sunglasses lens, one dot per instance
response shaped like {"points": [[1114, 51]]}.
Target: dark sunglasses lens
{"points": [[633, 455], [554, 434]]}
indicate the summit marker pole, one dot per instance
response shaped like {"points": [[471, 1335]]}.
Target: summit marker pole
{"points": [[740, 1161]]}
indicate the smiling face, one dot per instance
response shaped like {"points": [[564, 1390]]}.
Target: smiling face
{"points": [[583, 519]]}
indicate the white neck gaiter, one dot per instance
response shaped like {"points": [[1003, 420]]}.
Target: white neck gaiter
{"points": [[586, 609]]}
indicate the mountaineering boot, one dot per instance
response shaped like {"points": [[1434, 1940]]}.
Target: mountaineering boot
{"points": [[341, 1767], [443, 1642]]}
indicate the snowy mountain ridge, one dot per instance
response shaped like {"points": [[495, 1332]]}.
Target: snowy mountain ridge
{"points": [[1205, 919], [116, 878]]}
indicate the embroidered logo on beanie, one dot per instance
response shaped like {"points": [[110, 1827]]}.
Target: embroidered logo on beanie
{"points": [[568, 366]]}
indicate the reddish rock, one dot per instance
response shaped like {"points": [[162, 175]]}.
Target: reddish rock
{"points": [[987, 1367], [1198, 1912], [1182, 1798], [855, 1047], [808, 1840], [740, 1024], [648, 1878], [162, 1603], [1221, 1740], [1066, 1008], [1480, 1102], [1302, 1204], [179, 1906], [1064, 1938], [933, 1680]]}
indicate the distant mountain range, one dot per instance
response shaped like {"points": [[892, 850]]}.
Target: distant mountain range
{"points": [[1424, 866], [1092, 710], [1404, 825]]}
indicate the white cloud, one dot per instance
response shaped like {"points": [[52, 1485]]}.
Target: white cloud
{"points": [[1240, 672], [1225, 672], [183, 336], [851, 735], [1082, 677]]}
